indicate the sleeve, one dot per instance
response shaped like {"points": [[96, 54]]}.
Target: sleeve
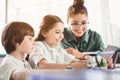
{"points": [[68, 58], [6, 71], [67, 35], [64, 44], [99, 43], [37, 55]]}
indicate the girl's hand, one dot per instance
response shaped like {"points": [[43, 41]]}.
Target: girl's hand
{"points": [[110, 63]]}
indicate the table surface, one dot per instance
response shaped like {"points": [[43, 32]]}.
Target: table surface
{"points": [[82, 74]]}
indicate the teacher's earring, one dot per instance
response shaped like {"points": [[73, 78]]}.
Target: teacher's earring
{"points": [[17, 44]]}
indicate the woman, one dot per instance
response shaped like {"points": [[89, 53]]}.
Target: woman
{"points": [[77, 38]]}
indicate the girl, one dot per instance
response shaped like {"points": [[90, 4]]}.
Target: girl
{"points": [[47, 53], [17, 39]]}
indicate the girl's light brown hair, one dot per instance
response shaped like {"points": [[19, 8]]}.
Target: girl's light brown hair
{"points": [[47, 24]]}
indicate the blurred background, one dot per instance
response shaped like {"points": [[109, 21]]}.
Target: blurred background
{"points": [[103, 15]]}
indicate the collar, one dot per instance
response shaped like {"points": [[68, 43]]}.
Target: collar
{"points": [[48, 47], [85, 36], [71, 36]]}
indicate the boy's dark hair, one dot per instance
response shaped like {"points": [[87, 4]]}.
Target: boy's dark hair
{"points": [[14, 33]]}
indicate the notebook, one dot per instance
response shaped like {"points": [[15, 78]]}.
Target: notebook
{"points": [[111, 48], [109, 52]]}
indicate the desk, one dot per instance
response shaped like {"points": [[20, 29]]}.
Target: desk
{"points": [[83, 74]]}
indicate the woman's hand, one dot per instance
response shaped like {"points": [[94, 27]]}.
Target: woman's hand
{"points": [[75, 53]]}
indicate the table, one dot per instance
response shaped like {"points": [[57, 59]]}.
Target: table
{"points": [[82, 74]]}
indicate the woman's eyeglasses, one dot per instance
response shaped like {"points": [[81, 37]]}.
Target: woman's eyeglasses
{"points": [[83, 24]]}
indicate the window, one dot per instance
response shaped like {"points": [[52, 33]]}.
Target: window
{"points": [[115, 21], [103, 15], [2, 20]]}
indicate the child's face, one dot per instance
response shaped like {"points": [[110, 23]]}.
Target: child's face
{"points": [[54, 36], [26, 45], [78, 24]]}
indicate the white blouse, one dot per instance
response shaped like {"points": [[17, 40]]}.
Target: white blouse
{"points": [[52, 55], [10, 64]]}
